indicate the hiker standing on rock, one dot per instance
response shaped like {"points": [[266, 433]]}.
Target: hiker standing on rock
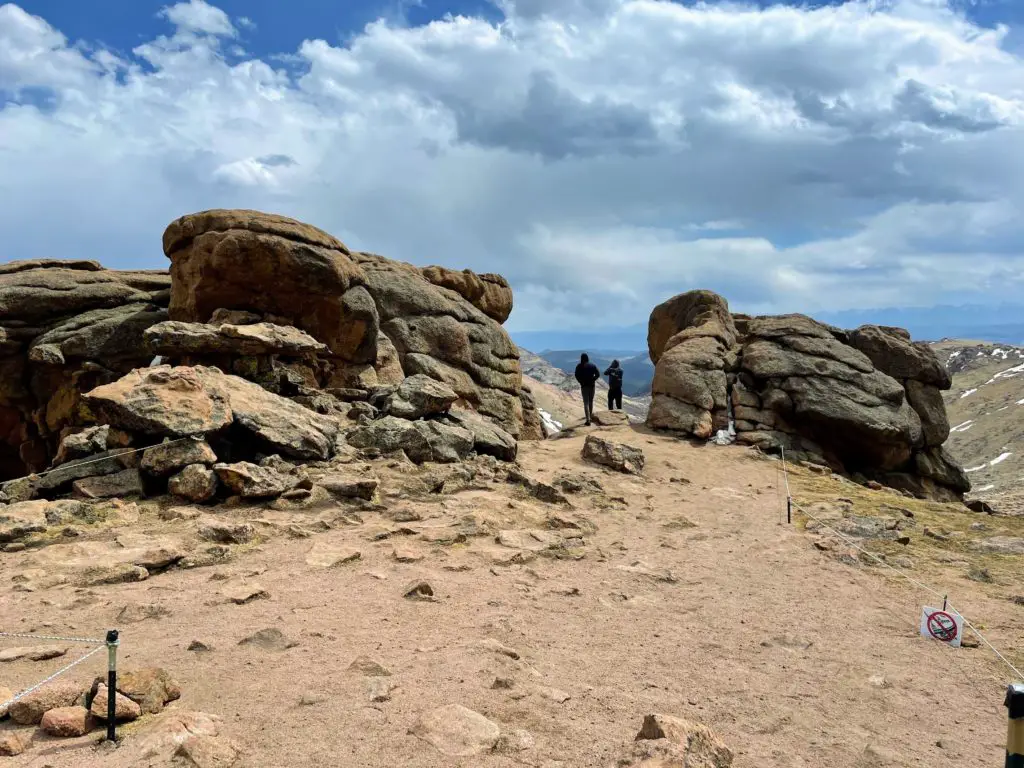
{"points": [[614, 374], [587, 375]]}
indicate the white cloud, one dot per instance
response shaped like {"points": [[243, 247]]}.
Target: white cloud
{"points": [[199, 17], [602, 154]]}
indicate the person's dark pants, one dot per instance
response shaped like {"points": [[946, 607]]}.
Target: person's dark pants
{"points": [[588, 401], [614, 399]]}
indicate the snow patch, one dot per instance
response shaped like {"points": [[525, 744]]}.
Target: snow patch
{"points": [[156, 361], [1000, 458], [976, 469], [968, 392], [988, 487], [548, 423], [963, 427]]}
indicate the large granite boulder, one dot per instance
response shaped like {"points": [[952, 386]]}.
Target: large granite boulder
{"points": [[865, 401], [65, 327], [489, 293]]}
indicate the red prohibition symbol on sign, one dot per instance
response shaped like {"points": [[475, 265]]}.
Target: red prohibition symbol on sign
{"points": [[942, 626]]}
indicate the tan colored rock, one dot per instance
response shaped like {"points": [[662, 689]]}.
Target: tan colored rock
{"points": [[700, 746], [243, 594], [368, 667], [177, 339], [327, 555], [171, 457], [125, 709], [251, 481], [224, 532], [151, 688], [457, 731], [697, 314], [6, 694], [30, 709], [67, 722], [15, 742], [165, 733], [120, 485], [617, 456], [33, 653], [196, 482], [207, 752], [489, 293]]}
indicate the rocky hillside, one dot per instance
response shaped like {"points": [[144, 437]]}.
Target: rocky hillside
{"points": [[986, 413]]}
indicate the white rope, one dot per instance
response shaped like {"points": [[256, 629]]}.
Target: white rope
{"points": [[88, 640], [785, 472], [899, 572], [71, 464], [58, 673]]}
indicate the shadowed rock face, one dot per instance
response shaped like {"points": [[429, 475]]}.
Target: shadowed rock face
{"points": [[867, 400]]}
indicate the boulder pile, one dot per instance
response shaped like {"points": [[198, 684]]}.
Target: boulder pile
{"points": [[867, 402], [268, 336]]}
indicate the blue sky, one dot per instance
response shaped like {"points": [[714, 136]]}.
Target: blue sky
{"points": [[601, 154]]}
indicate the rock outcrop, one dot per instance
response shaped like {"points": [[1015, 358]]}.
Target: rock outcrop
{"points": [[251, 298], [866, 401]]}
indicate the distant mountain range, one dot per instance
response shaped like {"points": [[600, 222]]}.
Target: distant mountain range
{"points": [[637, 368]]}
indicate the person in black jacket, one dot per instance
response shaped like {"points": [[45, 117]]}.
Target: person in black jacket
{"points": [[614, 374], [587, 375]]}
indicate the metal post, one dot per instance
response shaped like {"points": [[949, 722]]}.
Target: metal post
{"points": [[112, 643], [1015, 731], [789, 509], [945, 599]]}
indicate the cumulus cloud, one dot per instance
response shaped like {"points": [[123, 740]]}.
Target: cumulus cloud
{"points": [[602, 154]]}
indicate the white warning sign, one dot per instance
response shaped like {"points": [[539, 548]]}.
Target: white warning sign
{"points": [[943, 625]]}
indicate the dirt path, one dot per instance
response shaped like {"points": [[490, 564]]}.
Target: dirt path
{"points": [[778, 648]]}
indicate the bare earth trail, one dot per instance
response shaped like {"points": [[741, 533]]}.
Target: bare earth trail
{"points": [[753, 632]]}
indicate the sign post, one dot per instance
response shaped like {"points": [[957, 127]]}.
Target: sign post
{"points": [[943, 625], [1015, 731]]}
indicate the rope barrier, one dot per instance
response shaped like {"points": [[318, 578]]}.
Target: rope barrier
{"points": [[86, 640], [101, 458], [899, 572], [58, 673]]}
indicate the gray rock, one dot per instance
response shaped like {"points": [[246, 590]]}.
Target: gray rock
{"points": [[227, 533], [421, 440], [488, 439], [105, 463], [80, 445], [175, 339], [350, 487], [251, 481], [122, 484], [1000, 545], [418, 396], [171, 457], [195, 482], [622, 458]]}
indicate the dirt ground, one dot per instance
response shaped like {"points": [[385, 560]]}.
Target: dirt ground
{"points": [[692, 598]]}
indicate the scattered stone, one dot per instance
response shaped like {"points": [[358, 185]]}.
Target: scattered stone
{"points": [[179, 513], [528, 539], [120, 485], [81, 445], [171, 457], [622, 458], [227, 533], [269, 640], [167, 731], [878, 681], [14, 743], [326, 555], [406, 555], [419, 590], [1000, 545], [977, 505], [610, 418], [496, 646], [251, 481], [502, 683], [553, 694], [538, 490], [700, 746], [1018, 599], [457, 731], [30, 709], [6, 694], [34, 653], [198, 646], [418, 396], [124, 708], [421, 440], [243, 594], [67, 722], [364, 665], [350, 488], [980, 574], [119, 573], [379, 690], [514, 741], [196, 482], [970, 641], [207, 752]]}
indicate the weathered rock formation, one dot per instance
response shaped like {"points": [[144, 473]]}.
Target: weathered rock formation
{"points": [[866, 401], [259, 298]]}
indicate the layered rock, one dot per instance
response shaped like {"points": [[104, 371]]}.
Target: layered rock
{"points": [[65, 327], [866, 401]]}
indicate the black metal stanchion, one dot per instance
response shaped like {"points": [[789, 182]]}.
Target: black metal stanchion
{"points": [[112, 643], [1015, 730], [789, 510]]}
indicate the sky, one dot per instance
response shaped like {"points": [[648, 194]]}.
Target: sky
{"points": [[603, 155]]}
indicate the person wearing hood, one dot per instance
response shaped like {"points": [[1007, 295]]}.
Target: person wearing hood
{"points": [[587, 375], [614, 374]]}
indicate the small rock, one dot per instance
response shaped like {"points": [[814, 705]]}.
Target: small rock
{"points": [[196, 482], [878, 681], [120, 485], [179, 513], [980, 574], [516, 740], [35, 653], [350, 488], [170, 457], [269, 640], [495, 646], [120, 573], [457, 731], [379, 690], [502, 683], [312, 699], [326, 555], [124, 708], [406, 555], [134, 613], [701, 745], [150, 687], [14, 743], [227, 533], [1018, 599], [251, 481], [553, 694], [197, 646], [622, 458], [206, 752], [67, 722], [970, 641], [419, 590], [364, 665], [242, 594]]}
